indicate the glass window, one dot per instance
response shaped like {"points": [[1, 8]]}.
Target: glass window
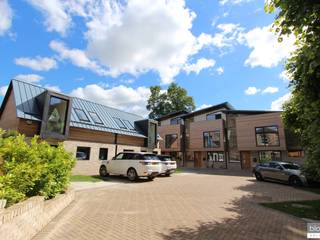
{"points": [[83, 153], [175, 121], [211, 139], [218, 116], [129, 124], [119, 156], [150, 157], [120, 123], [103, 154], [266, 156], [171, 141], [215, 156], [267, 136], [210, 116], [81, 115], [96, 119], [297, 153], [57, 115], [291, 166]]}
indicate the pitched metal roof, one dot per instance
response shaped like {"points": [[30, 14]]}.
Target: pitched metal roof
{"points": [[27, 107], [225, 105]]}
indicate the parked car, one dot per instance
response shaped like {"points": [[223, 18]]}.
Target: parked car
{"points": [[281, 172], [168, 166], [133, 165]]}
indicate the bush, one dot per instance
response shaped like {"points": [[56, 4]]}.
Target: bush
{"points": [[31, 169]]}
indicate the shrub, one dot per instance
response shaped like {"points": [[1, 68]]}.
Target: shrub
{"points": [[31, 169]]}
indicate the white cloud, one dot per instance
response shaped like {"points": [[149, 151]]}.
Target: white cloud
{"points": [[252, 91], [233, 2], [201, 64], [278, 103], [38, 63], [220, 70], [270, 90], [285, 76], [54, 12], [203, 106], [77, 57], [31, 78], [52, 88], [132, 99], [3, 90], [5, 17], [266, 50]]}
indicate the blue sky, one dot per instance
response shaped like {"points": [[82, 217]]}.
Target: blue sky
{"points": [[112, 51]]}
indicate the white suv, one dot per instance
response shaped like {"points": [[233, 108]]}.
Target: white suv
{"points": [[133, 165], [168, 166]]}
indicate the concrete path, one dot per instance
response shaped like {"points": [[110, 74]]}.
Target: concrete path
{"points": [[198, 205]]}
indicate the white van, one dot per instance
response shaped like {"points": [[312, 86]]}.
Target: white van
{"points": [[133, 165]]}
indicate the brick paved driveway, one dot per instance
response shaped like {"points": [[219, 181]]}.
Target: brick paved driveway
{"points": [[184, 206]]}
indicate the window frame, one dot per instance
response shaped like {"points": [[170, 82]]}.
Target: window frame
{"points": [[267, 132], [100, 122], [107, 150], [177, 121], [204, 142], [83, 147], [167, 135], [117, 121], [277, 151], [78, 115], [129, 125]]}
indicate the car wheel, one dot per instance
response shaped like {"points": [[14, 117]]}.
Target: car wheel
{"points": [[258, 176], [132, 174], [103, 171], [151, 178], [295, 181], [168, 174]]}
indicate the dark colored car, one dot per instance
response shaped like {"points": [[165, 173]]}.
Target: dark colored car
{"points": [[281, 172]]}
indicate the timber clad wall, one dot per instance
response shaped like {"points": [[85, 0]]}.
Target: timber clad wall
{"points": [[90, 135], [196, 134], [246, 125], [9, 118], [164, 130], [28, 127]]}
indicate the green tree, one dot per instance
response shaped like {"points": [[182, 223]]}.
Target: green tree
{"points": [[174, 99], [302, 112]]}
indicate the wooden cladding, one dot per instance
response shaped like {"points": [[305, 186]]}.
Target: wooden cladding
{"points": [[9, 120], [168, 130], [246, 131]]}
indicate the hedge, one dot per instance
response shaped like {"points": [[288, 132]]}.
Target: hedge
{"points": [[31, 168]]}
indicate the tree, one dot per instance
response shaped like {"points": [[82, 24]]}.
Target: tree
{"points": [[302, 112], [175, 99]]}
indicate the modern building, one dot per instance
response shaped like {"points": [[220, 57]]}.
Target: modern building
{"points": [[223, 137], [91, 131]]}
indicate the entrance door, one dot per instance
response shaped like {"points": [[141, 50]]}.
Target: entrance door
{"points": [[197, 159], [246, 160]]}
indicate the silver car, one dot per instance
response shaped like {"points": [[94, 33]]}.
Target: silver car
{"points": [[281, 172]]}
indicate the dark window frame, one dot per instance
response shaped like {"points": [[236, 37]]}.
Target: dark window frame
{"points": [[204, 142], [175, 121], [166, 141], [88, 155], [103, 149], [267, 132]]}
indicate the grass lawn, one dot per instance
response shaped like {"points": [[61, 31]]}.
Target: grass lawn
{"points": [[83, 178], [303, 209], [179, 170]]}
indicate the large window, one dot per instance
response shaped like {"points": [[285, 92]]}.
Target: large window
{"points": [[103, 154], [171, 141], [267, 136], [57, 115], [175, 121], [211, 139], [83, 153], [266, 156], [214, 116]]}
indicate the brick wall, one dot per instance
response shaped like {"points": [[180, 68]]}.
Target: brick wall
{"points": [[24, 220]]}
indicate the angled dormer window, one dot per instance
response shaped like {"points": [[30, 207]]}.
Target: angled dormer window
{"points": [[57, 115], [120, 123], [81, 115]]}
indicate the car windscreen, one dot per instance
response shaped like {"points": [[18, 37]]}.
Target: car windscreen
{"points": [[291, 166], [165, 158], [150, 157]]}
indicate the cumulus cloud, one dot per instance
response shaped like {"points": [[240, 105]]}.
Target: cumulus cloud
{"points": [[278, 103], [77, 57], [201, 64], [270, 90], [5, 17], [132, 37], [233, 2], [220, 70], [3, 90], [31, 78], [252, 91], [285, 76], [52, 88], [132, 99], [203, 106], [38, 63], [266, 50]]}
